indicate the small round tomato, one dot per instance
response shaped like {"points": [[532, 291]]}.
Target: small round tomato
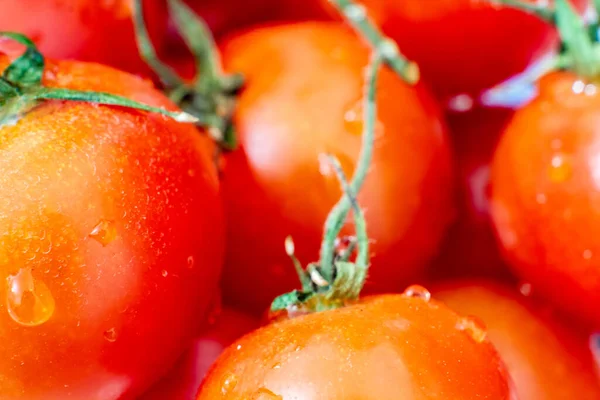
{"points": [[492, 44], [544, 359], [111, 240], [304, 104], [546, 194], [88, 30], [183, 381], [390, 347], [470, 247]]}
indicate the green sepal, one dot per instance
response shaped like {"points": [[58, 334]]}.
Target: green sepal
{"points": [[291, 299]]}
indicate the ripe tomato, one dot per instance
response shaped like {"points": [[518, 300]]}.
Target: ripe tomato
{"points": [[111, 241], [470, 247], [386, 347], [545, 194], [305, 103], [183, 381], [89, 30], [545, 360], [492, 44]]}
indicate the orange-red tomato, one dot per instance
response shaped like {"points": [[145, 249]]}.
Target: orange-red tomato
{"points": [[389, 347], [305, 103], [88, 30], [546, 194], [471, 247], [111, 241], [183, 381], [545, 359], [464, 46]]}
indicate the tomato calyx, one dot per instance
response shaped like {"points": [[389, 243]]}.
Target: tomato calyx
{"points": [[580, 47], [21, 88], [211, 96]]}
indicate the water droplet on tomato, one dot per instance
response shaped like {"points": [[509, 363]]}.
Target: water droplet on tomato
{"points": [[461, 103], [265, 394], [590, 89], [560, 169], [525, 289], [578, 87], [28, 300], [164, 273], [353, 119], [472, 326], [190, 262], [418, 292], [191, 172], [229, 383], [111, 335], [541, 198], [104, 232]]}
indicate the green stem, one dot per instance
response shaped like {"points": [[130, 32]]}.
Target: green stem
{"points": [[337, 217], [21, 88], [595, 347], [356, 15], [541, 11]]}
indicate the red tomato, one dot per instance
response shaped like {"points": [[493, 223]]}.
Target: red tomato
{"points": [[464, 46], [304, 103], [471, 246], [389, 347], [88, 30], [111, 241], [545, 360], [546, 194], [183, 381]]}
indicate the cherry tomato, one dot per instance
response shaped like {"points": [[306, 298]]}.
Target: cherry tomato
{"points": [[88, 30], [544, 358], [183, 381], [470, 247], [389, 347], [302, 105], [491, 44], [545, 194], [111, 241]]}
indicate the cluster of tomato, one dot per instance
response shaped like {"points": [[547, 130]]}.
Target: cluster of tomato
{"points": [[137, 248]]}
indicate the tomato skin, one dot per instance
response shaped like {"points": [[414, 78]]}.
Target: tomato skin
{"points": [[492, 44], [386, 347], [117, 212], [470, 247], [183, 381], [305, 103], [545, 359], [87, 30], [545, 201]]}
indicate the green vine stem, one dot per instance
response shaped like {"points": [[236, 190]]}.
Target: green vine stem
{"points": [[21, 88], [211, 96], [330, 285], [581, 52], [356, 15], [595, 347]]}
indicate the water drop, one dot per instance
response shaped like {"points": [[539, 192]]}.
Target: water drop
{"points": [[164, 273], [525, 289], [473, 327], [265, 394], [229, 384], [461, 103], [590, 90], [110, 335], [190, 262], [541, 198], [353, 119], [578, 87], [560, 169], [276, 366], [418, 292], [29, 301], [191, 172], [587, 254], [104, 232]]}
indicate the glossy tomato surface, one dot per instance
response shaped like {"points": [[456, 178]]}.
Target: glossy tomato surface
{"points": [[302, 105], [545, 359], [390, 347], [111, 241], [464, 46], [183, 381], [471, 247], [546, 194], [88, 30]]}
